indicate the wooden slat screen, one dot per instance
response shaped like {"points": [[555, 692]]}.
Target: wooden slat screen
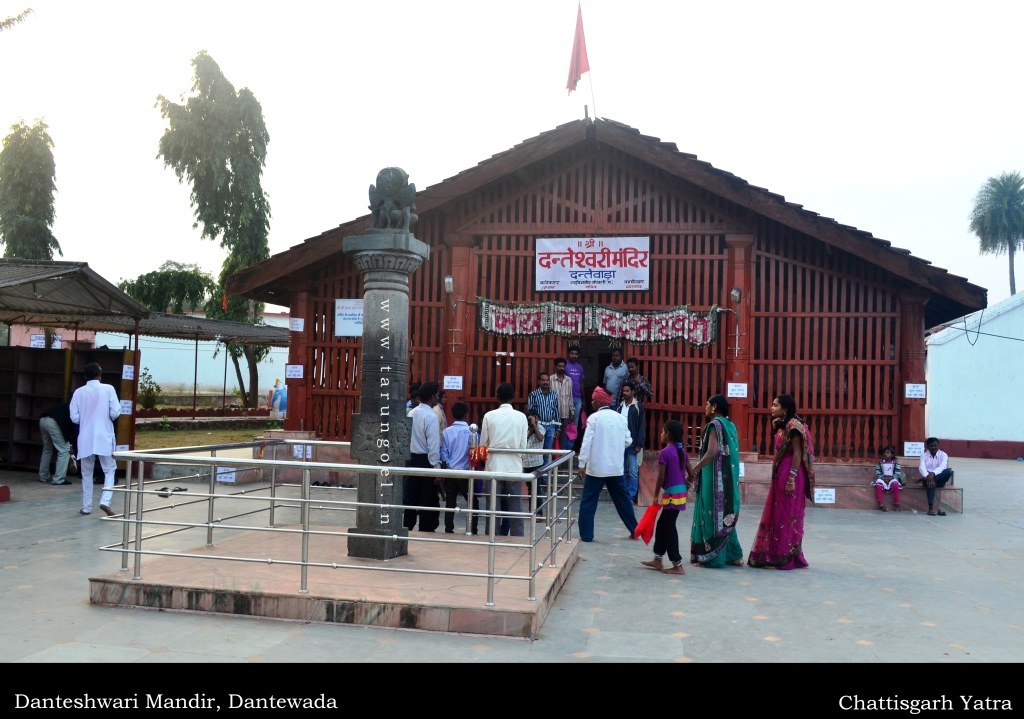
{"points": [[607, 195], [825, 329]]}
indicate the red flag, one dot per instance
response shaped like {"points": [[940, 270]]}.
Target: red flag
{"points": [[578, 63], [224, 302]]}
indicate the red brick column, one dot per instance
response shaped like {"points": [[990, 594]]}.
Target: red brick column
{"points": [[298, 353], [911, 424], [739, 275]]}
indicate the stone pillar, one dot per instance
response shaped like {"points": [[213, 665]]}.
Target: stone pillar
{"points": [[386, 256], [911, 425], [737, 364]]}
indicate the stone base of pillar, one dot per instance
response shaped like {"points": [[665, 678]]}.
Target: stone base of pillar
{"points": [[388, 546]]}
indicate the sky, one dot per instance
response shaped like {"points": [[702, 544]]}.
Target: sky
{"points": [[886, 116]]}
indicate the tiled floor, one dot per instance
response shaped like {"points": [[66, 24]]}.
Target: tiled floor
{"points": [[881, 588]]}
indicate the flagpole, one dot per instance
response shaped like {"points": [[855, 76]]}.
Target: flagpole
{"points": [[592, 100]]}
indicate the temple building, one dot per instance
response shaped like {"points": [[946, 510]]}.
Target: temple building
{"points": [[596, 235]]}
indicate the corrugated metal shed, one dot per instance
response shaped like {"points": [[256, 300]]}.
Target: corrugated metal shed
{"points": [[71, 295]]}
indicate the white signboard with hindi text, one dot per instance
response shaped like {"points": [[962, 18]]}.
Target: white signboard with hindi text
{"points": [[572, 264], [913, 449], [916, 391], [128, 372], [823, 495], [736, 389], [453, 381], [298, 324], [39, 341], [348, 318], [294, 371], [127, 406]]}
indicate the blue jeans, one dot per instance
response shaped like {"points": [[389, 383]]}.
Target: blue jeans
{"points": [[549, 438], [631, 477], [588, 504]]}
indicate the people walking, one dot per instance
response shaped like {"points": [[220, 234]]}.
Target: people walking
{"points": [[715, 497], [94, 407], [601, 464], [779, 539]]}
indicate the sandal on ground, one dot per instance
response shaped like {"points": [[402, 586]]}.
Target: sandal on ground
{"points": [[881, 508], [180, 489], [931, 513], [941, 513], [164, 492]]}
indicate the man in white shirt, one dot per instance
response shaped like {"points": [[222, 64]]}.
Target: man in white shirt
{"points": [[424, 452], [94, 407], [601, 464], [935, 474], [506, 428]]}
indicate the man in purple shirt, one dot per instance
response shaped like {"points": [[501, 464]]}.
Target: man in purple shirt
{"points": [[574, 369]]}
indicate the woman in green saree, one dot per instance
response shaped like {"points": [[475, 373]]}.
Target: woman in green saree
{"points": [[715, 498]]}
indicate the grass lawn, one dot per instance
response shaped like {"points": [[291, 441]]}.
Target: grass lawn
{"points": [[156, 439]]}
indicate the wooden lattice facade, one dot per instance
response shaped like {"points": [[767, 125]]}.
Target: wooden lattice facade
{"points": [[825, 311]]}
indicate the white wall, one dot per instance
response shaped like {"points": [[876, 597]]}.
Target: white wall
{"points": [[976, 381], [173, 363]]}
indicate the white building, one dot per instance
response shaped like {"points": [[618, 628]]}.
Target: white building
{"points": [[179, 364], [975, 375]]}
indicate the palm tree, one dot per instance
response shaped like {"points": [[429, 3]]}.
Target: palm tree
{"points": [[998, 217]]}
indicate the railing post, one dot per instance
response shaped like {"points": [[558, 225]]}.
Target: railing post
{"points": [[209, 507], [138, 529], [304, 514]]}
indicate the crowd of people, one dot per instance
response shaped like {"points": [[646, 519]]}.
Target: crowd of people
{"points": [[609, 444]]}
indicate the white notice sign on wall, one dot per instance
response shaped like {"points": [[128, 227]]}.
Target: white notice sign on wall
{"points": [[824, 496], [916, 391]]}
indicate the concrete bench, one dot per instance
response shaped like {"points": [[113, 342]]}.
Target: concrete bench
{"points": [[852, 486]]}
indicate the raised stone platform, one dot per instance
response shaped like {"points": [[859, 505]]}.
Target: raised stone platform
{"points": [[851, 482], [358, 595]]}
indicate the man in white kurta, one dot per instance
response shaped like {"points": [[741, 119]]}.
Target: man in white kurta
{"points": [[506, 428], [94, 407]]}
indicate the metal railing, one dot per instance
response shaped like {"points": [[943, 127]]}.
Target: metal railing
{"points": [[232, 507]]}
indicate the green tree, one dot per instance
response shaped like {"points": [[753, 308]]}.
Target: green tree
{"points": [[217, 142], [8, 22], [174, 288], [27, 187], [998, 217]]}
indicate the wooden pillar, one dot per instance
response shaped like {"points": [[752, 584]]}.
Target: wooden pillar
{"points": [[299, 401], [911, 423], [458, 319], [738, 276]]}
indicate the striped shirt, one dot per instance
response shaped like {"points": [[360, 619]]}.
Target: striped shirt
{"points": [[545, 404]]}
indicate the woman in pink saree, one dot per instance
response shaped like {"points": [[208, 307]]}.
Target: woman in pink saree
{"points": [[779, 539]]}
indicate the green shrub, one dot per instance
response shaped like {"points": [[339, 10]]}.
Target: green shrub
{"points": [[149, 390]]}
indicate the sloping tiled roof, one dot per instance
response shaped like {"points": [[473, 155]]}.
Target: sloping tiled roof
{"points": [[951, 295]]}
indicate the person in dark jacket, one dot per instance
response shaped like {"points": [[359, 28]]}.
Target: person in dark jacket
{"points": [[633, 411], [58, 432]]}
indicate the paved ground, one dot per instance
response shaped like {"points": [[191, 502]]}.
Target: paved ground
{"points": [[881, 588]]}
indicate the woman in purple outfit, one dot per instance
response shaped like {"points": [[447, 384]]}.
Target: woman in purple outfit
{"points": [[779, 539]]}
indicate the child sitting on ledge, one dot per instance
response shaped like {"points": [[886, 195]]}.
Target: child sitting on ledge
{"points": [[888, 478]]}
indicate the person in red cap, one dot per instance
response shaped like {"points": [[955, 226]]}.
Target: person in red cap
{"points": [[601, 464]]}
